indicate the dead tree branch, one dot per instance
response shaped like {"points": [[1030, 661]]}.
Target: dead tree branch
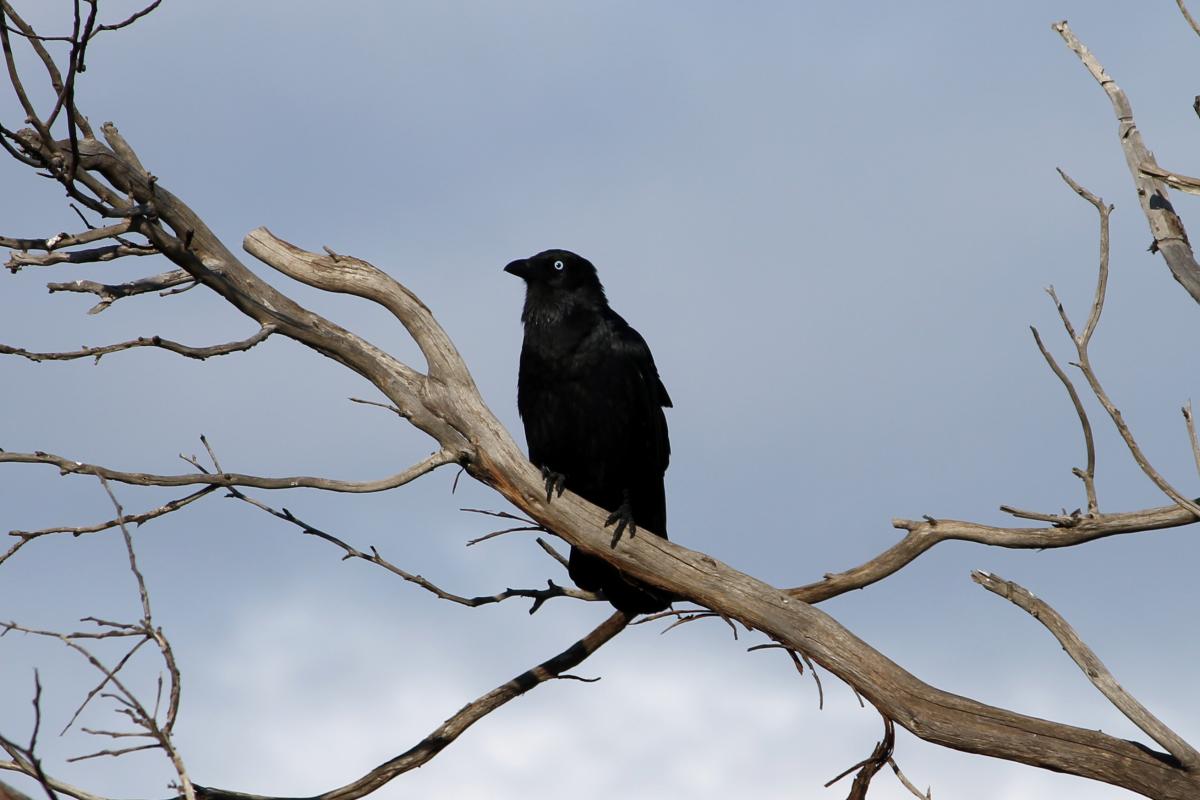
{"points": [[69, 467], [1067, 531], [1082, 340], [1166, 227], [198, 353], [1188, 17], [1088, 473], [1092, 667], [539, 596], [164, 283]]}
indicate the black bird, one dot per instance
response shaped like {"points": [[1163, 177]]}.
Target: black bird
{"points": [[592, 403]]}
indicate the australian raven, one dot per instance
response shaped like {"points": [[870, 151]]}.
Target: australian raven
{"points": [[592, 403]]}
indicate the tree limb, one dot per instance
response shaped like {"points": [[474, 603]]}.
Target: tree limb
{"points": [[110, 293], [68, 467], [110, 252], [1092, 667], [1166, 227], [539, 596], [924, 534], [199, 353]]}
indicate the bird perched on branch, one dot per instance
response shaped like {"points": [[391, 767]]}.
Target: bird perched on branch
{"points": [[592, 403]]}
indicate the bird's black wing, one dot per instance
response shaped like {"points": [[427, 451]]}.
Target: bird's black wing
{"points": [[637, 397]]}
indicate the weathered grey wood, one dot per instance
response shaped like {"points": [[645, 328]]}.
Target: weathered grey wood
{"points": [[1166, 227], [1092, 666]]}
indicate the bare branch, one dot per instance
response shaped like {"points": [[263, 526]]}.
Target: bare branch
{"points": [[161, 733], [1088, 473], [198, 353], [1170, 238], [55, 785], [798, 663], [1081, 348], [928, 795], [550, 551], [539, 596], [134, 17], [1092, 667], [1188, 16], [354, 276], [68, 467], [18, 86], [922, 535], [1191, 428], [111, 252], [110, 293], [1175, 180], [137, 519], [1118, 420], [1104, 211], [104, 682], [870, 766], [63, 240], [119, 752]]}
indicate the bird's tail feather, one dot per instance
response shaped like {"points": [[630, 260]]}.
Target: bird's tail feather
{"points": [[595, 574]]}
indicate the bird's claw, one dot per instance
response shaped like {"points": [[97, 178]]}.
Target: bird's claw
{"points": [[555, 482], [623, 517]]}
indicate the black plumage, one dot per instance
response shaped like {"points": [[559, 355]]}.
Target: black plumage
{"points": [[592, 403]]}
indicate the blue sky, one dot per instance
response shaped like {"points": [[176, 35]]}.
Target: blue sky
{"points": [[831, 222]]}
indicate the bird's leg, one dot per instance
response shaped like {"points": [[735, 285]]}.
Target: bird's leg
{"points": [[623, 517], [555, 482]]}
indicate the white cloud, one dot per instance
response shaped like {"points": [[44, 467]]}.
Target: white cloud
{"points": [[679, 716]]}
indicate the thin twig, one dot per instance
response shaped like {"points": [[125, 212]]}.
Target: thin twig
{"points": [[539, 596], [137, 519], [1191, 428], [1081, 348], [870, 765], [69, 467], [1088, 473], [494, 534], [1104, 211], [162, 734], [134, 17], [550, 551]]}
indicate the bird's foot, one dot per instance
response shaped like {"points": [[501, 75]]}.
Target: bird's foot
{"points": [[623, 518], [555, 482]]}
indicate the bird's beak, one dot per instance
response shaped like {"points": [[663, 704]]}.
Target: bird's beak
{"points": [[520, 268]]}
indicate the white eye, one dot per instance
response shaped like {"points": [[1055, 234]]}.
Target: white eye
{"points": [[558, 265]]}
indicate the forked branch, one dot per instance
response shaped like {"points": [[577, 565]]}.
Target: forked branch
{"points": [[69, 467], [1166, 227]]}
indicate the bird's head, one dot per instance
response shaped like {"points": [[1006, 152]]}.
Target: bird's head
{"points": [[558, 274]]}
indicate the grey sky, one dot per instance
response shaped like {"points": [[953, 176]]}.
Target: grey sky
{"points": [[831, 222]]}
